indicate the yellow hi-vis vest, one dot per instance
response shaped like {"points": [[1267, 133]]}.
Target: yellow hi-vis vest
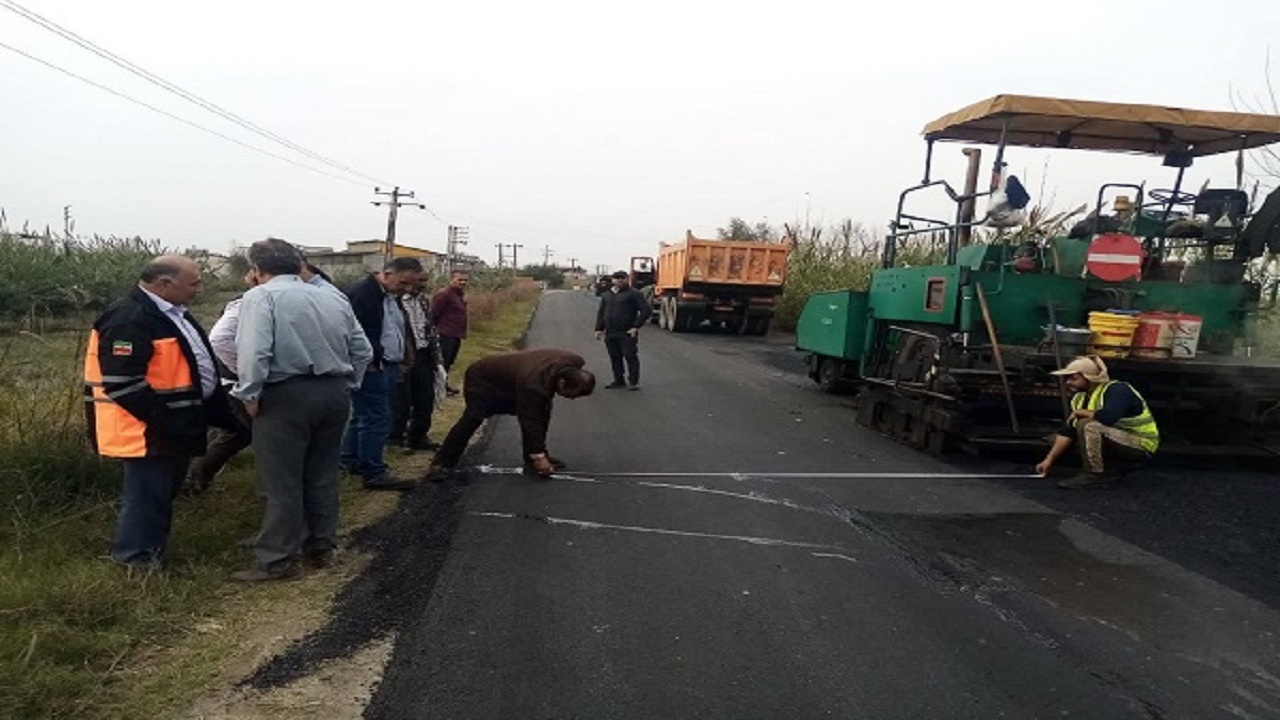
{"points": [[1143, 425]]}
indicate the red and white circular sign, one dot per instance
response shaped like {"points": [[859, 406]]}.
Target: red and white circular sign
{"points": [[1115, 257]]}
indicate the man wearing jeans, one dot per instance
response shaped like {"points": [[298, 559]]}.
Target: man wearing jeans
{"points": [[299, 353], [376, 303], [151, 390]]}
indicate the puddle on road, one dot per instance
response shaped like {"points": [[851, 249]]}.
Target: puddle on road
{"points": [[1031, 551]]}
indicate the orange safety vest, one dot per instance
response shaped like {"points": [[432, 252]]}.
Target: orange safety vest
{"points": [[118, 433]]}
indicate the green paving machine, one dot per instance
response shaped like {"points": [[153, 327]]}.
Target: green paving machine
{"points": [[958, 351]]}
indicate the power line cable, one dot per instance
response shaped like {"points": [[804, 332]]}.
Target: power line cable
{"points": [[160, 82], [190, 97], [170, 115]]}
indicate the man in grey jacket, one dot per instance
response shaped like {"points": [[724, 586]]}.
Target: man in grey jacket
{"points": [[300, 353]]}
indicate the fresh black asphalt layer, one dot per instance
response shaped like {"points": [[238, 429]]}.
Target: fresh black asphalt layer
{"points": [[678, 568]]}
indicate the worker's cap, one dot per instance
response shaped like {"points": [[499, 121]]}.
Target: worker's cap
{"points": [[1090, 366], [620, 274]]}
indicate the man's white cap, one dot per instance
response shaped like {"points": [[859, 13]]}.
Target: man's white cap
{"points": [[1090, 366]]}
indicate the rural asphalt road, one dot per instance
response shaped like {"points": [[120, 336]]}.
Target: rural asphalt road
{"points": [[728, 543]]}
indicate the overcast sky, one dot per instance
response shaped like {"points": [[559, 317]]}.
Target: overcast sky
{"points": [[596, 128]]}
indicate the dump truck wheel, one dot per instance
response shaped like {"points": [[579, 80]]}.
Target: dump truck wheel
{"points": [[664, 320], [758, 326], [678, 321]]}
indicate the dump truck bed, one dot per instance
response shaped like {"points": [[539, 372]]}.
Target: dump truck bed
{"points": [[696, 262]]}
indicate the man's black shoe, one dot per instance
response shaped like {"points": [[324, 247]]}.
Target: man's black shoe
{"points": [[634, 386], [318, 559], [436, 473], [615, 385], [389, 482], [283, 571]]}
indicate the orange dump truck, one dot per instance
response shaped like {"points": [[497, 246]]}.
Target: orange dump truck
{"points": [[731, 283]]}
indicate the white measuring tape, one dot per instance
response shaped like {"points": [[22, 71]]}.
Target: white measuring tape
{"points": [[491, 470]]}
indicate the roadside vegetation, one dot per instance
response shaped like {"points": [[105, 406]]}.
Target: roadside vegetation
{"points": [[79, 636], [837, 257]]}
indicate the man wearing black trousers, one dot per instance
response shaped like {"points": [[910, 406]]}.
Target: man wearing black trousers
{"points": [[415, 396], [623, 311], [522, 384]]}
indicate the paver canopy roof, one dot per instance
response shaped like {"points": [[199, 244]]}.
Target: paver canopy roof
{"points": [[1089, 125]]}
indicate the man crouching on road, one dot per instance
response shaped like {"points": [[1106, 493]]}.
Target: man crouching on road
{"points": [[518, 383], [1110, 420]]}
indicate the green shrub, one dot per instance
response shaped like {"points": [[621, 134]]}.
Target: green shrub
{"points": [[45, 464], [45, 277], [842, 258]]}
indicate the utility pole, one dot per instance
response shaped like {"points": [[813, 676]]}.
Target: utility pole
{"points": [[457, 236], [501, 257], [515, 264], [68, 225], [393, 211], [573, 265], [546, 256]]}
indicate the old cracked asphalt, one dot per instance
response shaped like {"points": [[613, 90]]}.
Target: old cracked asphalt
{"points": [[694, 561]]}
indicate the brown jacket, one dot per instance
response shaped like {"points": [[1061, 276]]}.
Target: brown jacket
{"points": [[522, 384]]}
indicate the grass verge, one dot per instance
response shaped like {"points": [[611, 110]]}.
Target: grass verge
{"points": [[81, 638]]}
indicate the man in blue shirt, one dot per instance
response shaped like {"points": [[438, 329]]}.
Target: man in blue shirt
{"points": [[299, 353]]}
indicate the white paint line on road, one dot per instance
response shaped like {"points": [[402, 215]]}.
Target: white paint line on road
{"points": [[752, 496], [837, 556], [589, 525], [832, 475]]}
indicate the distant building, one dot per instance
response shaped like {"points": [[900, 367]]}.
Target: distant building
{"points": [[369, 256], [468, 262]]}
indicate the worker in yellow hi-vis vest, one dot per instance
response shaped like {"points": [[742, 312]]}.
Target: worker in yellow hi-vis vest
{"points": [[1110, 423]]}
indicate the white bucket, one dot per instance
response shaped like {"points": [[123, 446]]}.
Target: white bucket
{"points": [[1186, 335]]}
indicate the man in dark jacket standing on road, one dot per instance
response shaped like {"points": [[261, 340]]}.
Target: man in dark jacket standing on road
{"points": [[623, 311], [376, 302], [517, 383]]}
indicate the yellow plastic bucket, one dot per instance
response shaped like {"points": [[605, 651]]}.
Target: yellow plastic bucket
{"points": [[1111, 334]]}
